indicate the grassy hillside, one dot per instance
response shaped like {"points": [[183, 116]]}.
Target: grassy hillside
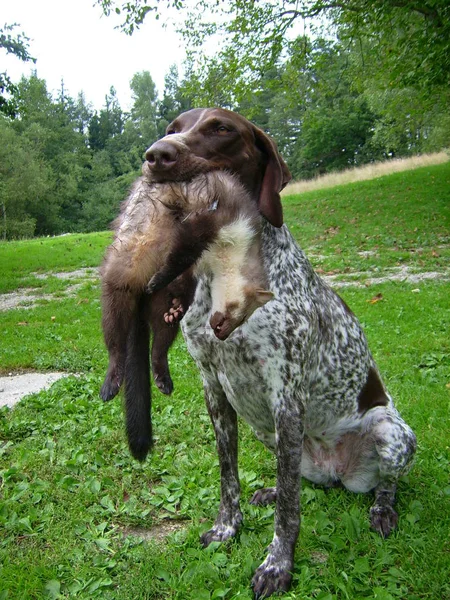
{"points": [[80, 519], [365, 172]]}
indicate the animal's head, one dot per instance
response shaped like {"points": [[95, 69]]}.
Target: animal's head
{"points": [[238, 311], [207, 139]]}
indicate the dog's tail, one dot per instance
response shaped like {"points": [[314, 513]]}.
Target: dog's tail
{"points": [[137, 383]]}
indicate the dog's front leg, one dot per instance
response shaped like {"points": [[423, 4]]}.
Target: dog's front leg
{"points": [[275, 573], [224, 420]]}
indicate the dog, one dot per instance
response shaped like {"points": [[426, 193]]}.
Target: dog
{"points": [[299, 370], [163, 228]]}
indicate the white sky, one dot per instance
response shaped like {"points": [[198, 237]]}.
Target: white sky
{"points": [[72, 40]]}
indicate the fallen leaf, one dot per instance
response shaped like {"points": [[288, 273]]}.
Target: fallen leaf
{"points": [[376, 298], [333, 230], [22, 323], [53, 318], [435, 254]]}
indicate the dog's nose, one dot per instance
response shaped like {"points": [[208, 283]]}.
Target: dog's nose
{"points": [[161, 156]]}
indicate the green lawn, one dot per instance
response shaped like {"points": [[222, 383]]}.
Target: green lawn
{"points": [[70, 494]]}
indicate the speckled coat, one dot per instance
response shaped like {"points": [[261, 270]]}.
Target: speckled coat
{"points": [[299, 370], [301, 374]]}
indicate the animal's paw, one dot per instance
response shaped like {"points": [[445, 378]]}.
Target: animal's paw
{"points": [[221, 532], [270, 579], [164, 383], [383, 519], [175, 312], [110, 387], [264, 496]]}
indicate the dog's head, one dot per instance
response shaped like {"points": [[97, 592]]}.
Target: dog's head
{"points": [[207, 139]]}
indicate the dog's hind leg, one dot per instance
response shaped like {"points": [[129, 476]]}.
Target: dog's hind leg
{"points": [[224, 420], [396, 444], [376, 458], [264, 496]]}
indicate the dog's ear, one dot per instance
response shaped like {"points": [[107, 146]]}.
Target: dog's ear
{"points": [[276, 176]]}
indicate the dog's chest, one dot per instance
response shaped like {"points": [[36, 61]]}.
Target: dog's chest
{"points": [[303, 346], [248, 365]]}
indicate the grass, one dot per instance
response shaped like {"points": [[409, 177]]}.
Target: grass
{"points": [[369, 171], [71, 496]]}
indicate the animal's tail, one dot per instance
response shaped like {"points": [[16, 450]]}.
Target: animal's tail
{"points": [[137, 384]]}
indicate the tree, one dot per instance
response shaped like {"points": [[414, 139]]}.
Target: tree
{"points": [[25, 180], [143, 111], [82, 113], [394, 54], [107, 124], [51, 127], [17, 45], [412, 39], [175, 100]]}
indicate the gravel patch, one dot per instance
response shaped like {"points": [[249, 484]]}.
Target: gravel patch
{"points": [[27, 298], [404, 273], [15, 387], [86, 273]]}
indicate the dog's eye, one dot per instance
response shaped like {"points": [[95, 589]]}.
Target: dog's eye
{"points": [[221, 129], [170, 131]]}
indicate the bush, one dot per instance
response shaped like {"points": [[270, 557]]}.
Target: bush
{"points": [[19, 230]]}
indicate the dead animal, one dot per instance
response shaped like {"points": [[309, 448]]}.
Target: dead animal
{"points": [[165, 235]]}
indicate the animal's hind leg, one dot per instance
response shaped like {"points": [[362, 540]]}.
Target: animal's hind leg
{"points": [[118, 307], [162, 305], [395, 443], [163, 337], [264, 496]]}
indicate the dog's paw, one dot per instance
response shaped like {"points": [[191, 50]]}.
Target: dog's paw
{"points": [[222, 531], [270, 579], [383, 519], [264, 496], [217, 534]]}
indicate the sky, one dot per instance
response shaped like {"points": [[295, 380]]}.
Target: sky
{"points": [[72, 40]]}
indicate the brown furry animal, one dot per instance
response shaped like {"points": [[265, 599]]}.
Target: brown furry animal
{"points": [[162, 230]]}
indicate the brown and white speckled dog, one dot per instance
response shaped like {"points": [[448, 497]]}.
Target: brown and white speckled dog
{"points": [[299, 371]]}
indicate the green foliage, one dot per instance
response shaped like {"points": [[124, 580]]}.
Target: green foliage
{"points": [[80, 519], [334, 97], [412, 40], [143, 112], [102, 201], [17, 45], [378, 87], [175, 100], [25, 181], [65, 167]]}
